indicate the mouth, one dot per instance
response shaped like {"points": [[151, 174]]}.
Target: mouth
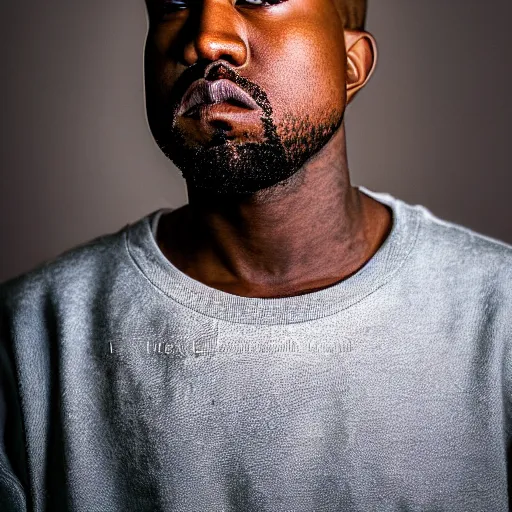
{"points": [[204, 92]]}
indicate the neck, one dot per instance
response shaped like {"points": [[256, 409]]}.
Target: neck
{"points": [[287, 240]]}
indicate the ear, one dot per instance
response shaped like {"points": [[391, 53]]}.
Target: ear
{"points": [[361, 60]]}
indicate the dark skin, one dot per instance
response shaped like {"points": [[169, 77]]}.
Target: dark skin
{"points": [[304, 233]]}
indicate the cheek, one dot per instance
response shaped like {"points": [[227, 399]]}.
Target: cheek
{"points": [[303, 69], [158, 50]]}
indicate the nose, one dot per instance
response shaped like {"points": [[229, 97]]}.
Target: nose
{"points": [[218, 34]]}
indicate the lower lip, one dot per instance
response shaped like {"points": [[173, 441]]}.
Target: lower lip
{"points": [[211, 109]]}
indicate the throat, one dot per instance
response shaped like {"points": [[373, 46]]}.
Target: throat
{"points": [[268, 268]]}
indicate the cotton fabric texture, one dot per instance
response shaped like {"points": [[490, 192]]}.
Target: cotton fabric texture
{"points": [[128, 386]]}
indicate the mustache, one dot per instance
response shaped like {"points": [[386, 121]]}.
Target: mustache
{"points": [[214, 71]]}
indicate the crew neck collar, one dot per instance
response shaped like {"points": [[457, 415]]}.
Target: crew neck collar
{"points": [[178, 286]]}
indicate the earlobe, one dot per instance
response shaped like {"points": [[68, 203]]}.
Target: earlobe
{"points": [[361, 60]]}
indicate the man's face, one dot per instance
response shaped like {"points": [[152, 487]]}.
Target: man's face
{"points": [[268, 84]]}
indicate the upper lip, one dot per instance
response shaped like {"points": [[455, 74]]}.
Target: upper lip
{"points": [[206, 91]]}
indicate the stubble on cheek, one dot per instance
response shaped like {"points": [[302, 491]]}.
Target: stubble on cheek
{"points": [[304, 134]]}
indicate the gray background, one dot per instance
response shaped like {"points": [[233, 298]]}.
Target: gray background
{"points": [[78, 159]]}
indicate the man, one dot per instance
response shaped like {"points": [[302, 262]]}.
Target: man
{"points": [[283, 342]]}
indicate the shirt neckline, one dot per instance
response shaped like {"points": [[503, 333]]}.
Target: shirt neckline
{"points": [[145, 253]]}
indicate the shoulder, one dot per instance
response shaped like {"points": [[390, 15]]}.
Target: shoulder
{"points": [[446, 243], [457, 260], [69, 275], [451, 256], [454, 246]]}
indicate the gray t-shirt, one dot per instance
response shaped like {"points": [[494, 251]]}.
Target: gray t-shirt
{"points": [[129, 386]]}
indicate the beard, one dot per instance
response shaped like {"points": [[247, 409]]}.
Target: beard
{"points": [[227, 168]]}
